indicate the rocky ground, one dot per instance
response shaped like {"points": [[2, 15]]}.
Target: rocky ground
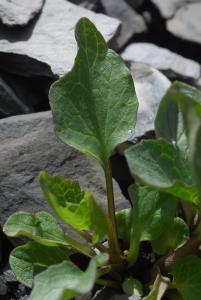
{"points": [[160, 41]]}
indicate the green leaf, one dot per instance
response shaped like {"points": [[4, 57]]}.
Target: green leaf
{"points": [[169, 123], [94, 106], [132, 286], [152, 212], [123, 221], [73, 206], [173, 236], [187, 277], [32, 258], [189, 101], [164, 167], [66, 280], [40, 227]]}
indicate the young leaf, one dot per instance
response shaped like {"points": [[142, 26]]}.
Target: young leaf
{"points": [[40, 227], [169, 123], [173, 236], [187, 277], [32, 258], [66, 280], [152, 212], [123, 220], [132, 286], [94, 106], [73, 206], [164, 167]]}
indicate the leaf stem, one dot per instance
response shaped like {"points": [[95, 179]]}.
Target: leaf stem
{"points": [[80, 247], [112, 232], [88, 238], [133, 250], [108, 283]]}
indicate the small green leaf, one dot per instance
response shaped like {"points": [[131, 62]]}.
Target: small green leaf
{"points": [[123, 220], [32, 258], [73, 206], [66, 280], [40, 227], [94, 106], [152, 212], [132, 286], [169, 123], [187, 277], [173, 236], [164, 167]]}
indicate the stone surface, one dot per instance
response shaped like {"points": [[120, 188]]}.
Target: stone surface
{"points": [[19, 12], [186, 23], [47, 47], [10, 103], [89, 4], [132, 22], [170, 63], [150, 86], [167, 8], [28, 145]]}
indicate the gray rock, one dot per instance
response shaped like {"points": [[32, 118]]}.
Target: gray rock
{"points": [[28, 145], [168, 8], [170, 63], [150, 86], [132, 22], [186, 23], [19, 12], [89, 4], [48, 47], [3, 287], [10, 103]]}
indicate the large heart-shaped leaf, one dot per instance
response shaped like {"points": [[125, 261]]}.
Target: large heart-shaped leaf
{"points": [[66, 280], [163, 166], [42, 228], [152, 212], [32, 258], [73, 206], [187, 277], [94, 106]]}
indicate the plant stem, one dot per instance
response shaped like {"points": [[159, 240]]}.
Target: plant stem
{"points": [[133, 250], [108, 283], [88, 238], [112, 232], [80, 247]]}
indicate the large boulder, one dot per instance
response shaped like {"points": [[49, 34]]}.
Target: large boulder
{"points": [[48, 47], [28, 145]]}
